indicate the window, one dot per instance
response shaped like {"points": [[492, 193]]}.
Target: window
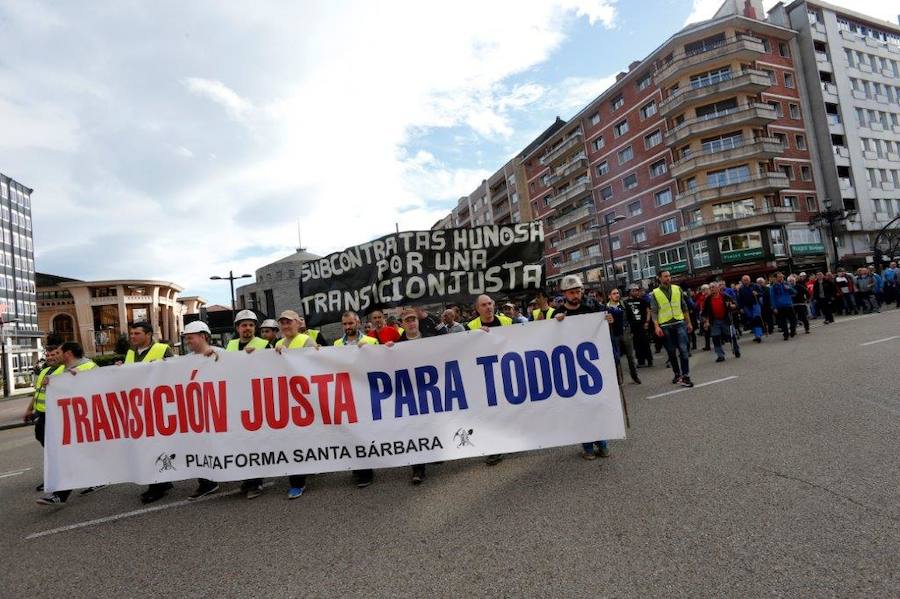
{"points": [[788, 80], [595, 118], [616, 243], [652, 139], [789, 201], [704, 45], [644, 82], [770, 75], [711, 78], [776, 236], [741, 241], [668, 226], [718, 109], [805, 173], [811, 204], [795, 111], [617, 102], [658, 168], [598, 143], [787, 169], [663, 197], [784, 51], [606, 193], [733, 210], [671, 256], [700, 253], [621, 128], [728, 176], [800, 141], [625, 154], [602, 168], [723, 142], [634, 209], [648, 110], [639, 235], [630, 182], [776, 106]]}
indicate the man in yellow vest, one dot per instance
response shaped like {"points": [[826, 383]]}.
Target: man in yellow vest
{"points": [[487, 317], [268, 330], [245, 324], [314, 334], [352, 334], [73, 362], [543, 311], [670, 321], [36, 410], [144, 349]]}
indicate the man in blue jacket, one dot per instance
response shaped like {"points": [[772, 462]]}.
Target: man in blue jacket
{"points": [[782, 297]]}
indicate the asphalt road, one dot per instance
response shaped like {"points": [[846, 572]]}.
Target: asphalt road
{"points": [[783, 480]]}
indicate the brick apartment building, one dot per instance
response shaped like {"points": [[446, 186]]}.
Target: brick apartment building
{"points": [[697, 161]]}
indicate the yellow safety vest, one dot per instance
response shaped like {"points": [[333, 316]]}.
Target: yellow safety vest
{"points": [[255, 343], [157, 352], [40, 392], [365, 339], [547, 316], [313, 334], [89, 365], [504, 321], [669, 310], [298, 341]]}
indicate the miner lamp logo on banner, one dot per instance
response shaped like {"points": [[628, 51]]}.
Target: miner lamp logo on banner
{"points": [[463, 437], [165, 461], [445, 265]]}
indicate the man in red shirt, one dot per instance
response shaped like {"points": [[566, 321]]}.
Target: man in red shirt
{"points": [[382, 332], [716, 312]]}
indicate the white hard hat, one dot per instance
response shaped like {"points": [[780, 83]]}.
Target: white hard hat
{"points": [[269, 323], [570, 282], [198, 326], [245, 315]]}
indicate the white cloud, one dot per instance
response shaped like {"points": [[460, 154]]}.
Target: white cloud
{"points": [[576, 92], [603, 11], [702, 10], [221, 94]]}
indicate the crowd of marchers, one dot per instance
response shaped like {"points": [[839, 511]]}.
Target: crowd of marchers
{"points": [[642, 324]]}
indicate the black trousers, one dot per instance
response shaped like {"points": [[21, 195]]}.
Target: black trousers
{"points": [[826, 308], [642, 345], [40, 424], [297, 480], [802, 312], [787, 321]]}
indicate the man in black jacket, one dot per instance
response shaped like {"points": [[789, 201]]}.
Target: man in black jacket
{"points": [[824, 292]]}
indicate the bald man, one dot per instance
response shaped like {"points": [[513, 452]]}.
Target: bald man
{"points": [[487, 317]]}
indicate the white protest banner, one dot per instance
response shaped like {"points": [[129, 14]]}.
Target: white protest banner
{"points": [[513, 388]]}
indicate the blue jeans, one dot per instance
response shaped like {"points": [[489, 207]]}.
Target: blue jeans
{"points": [[721, 331], [677, 342]]}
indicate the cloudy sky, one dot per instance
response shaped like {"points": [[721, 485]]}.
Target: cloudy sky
{"points": [[176, 140]]}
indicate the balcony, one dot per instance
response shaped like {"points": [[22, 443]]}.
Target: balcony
{"points": [[571, 193], [741, 48], [560, 151], [576, 240], [761, 147], [752, 115], [847, 189], [575, 166], [749, 81], [775, 215], [829, 92], [499, 193], [581, 263], [764, 183], [573, 217]]}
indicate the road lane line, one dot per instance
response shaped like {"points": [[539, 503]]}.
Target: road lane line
{"points": [[683, 389], [880, 340], [14, 472], [146, 510]]}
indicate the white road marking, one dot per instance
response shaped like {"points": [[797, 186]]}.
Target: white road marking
{"points": [[146, 510], [880, 340], [14, 472], [727, 378]]}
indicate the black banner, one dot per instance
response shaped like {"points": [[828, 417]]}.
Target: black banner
{"points": [[416, 267]]}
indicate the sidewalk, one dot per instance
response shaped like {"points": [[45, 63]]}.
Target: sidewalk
{"points": [[12, 410]]}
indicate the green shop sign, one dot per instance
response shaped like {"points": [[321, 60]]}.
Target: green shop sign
{"points": [[807, 249], [675, 267], [742, 255]]}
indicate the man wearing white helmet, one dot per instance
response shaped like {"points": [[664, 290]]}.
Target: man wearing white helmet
{"points": [[573, 305], [268, 331], [245, 324], [197, 338]]}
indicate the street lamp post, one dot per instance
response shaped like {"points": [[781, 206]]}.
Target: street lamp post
{"points": [[231, 279], [827, 218], [607, 223]]}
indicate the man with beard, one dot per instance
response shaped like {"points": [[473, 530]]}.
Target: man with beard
{"points": [[637, 313]]}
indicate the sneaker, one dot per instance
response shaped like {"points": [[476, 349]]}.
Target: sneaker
{"points": [[720, 359], [39, 488], [603, 452], [686, 381], [295, 492], [155, 493], [363, 483], [90, 490], [254, 491], [203, 491], [677, 379], [493, 460], [757, 340], [636, 380], [737, 354], [51, 499], [588, 455], [418, 477]]}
